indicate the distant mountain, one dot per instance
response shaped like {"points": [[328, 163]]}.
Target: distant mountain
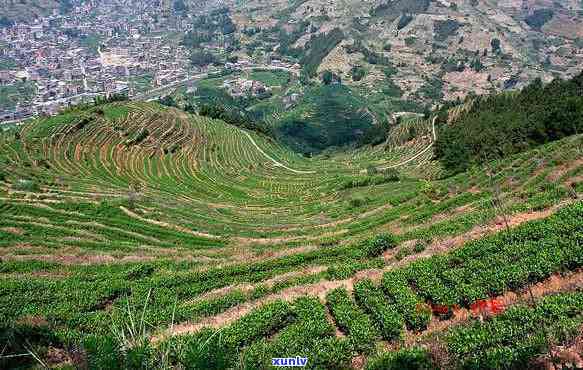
{"points": [[433, 50]]}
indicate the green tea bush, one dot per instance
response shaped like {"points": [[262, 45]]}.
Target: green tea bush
{"points": [[406, 302], [140, 271], [352, 320], [404, 359], [341, 271], [379, 244], [311, 336], [513, 338], [205, 350], [375, 303], [257, 324]]}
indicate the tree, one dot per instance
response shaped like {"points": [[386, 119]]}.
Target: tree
{"points": [[496, 46], [327, 77], [179, 6], [202, 58]]}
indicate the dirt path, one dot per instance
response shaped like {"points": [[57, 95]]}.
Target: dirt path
{"points": [[277, 163], [429, 147], [553, 285], [167, 225], [320, 289]]}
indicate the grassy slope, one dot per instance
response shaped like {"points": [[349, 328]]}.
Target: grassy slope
{"points": [[103, 205]]}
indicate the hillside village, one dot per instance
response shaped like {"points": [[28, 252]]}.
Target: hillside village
{"points": [[94, 50]]}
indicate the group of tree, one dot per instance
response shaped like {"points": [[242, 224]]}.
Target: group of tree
{"points": [[6, 22], [371, 56], [539, 18], [337, 118], [168, 101], [391, 9], [208, 27], [202, 58], [507, 123], [233, 117], [117, 97], [288, 39], [179, 6]]}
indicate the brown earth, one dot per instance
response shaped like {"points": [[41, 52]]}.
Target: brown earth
{"points": [[322, 288]]}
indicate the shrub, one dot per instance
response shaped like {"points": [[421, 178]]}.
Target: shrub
{"points": [[355, 323], [26, 185], [379, 244], [404, 359], [358, 73], [374, 302], [140, 271], [402, 253], [340, 271], [357, 202], [406, 302], [420, 246]]}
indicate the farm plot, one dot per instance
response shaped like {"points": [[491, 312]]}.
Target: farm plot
{"points": [[108, 207]]}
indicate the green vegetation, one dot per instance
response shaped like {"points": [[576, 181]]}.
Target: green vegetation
{"points": [[498, 344], [328, 116], [374, 302], [370, 56], [124, 222], [404, 359], [7, 63], [539, 18], [352, 320], [404, 21], [392, 9], [536, 115], [318, 48], [21, 93], [445, 29], [270, 78]]}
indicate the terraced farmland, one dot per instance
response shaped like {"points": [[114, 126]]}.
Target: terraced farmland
{"points": [[182, 226]]}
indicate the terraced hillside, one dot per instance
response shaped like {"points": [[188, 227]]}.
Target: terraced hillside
{"points": [[131, 232]]}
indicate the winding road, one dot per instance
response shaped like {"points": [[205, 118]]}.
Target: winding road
{"points": [[277, 163], [418, 154]]}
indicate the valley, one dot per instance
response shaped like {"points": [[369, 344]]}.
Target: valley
{"points": [[383, 184], [131, 206]]}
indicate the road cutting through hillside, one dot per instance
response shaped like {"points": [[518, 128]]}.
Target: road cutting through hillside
{"points": [[277, 163], [429, 147]]}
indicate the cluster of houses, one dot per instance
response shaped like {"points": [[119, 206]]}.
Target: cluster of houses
{"points": [[97, 49]]}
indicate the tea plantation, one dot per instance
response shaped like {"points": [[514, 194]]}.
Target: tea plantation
{"points": [[134, 235]]}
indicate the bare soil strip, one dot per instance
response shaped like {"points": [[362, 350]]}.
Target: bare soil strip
{"points": [[167, 225], [321, 289], [553, 285]]}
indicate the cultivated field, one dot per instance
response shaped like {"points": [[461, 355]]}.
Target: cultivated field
{"points": [[134, 235]]}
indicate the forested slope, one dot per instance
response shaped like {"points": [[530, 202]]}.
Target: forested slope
{"points": [[500, 125]]}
